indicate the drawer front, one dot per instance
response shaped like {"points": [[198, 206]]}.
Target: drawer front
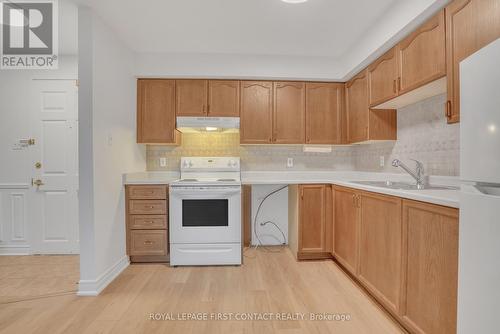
{"points": [[148, 242], [147, 207], [147, 192], [148, 222]]}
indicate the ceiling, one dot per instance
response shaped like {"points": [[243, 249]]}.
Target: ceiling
{"points": [[314, 28], [340, 30]]}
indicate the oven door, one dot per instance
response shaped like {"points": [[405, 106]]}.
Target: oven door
{"points": [[205, 215]]}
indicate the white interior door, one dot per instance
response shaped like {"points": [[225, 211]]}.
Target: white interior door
{"points": [[54, 222]]}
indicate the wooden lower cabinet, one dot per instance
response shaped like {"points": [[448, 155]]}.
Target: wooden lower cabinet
{"points": [[346, 228], [310, 216], [430, 268], [380, 247], [405, 253], [147, 223]]}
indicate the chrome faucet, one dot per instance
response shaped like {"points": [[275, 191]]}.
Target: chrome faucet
{"points": [[418, 174]]}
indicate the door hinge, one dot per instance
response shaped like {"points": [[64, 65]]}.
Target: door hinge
{"points": [[77, 83]]}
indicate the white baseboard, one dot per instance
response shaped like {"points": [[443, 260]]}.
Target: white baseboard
{"points": [[14, 250], [94, 287]]}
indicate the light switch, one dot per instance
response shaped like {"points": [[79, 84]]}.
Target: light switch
{"points": [[289, 162], [163, 162]]}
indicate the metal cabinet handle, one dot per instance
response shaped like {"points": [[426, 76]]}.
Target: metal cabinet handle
{"points": [[148, 242], [448, 109]]}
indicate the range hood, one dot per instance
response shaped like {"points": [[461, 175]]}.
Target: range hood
{"points": [[208, 124]]}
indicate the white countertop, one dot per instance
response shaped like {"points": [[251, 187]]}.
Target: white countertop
{"points": [[150, 177], [341, 178]]}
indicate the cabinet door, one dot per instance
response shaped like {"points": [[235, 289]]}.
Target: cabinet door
{"points": [[430, 250], [156, 111], [312, 226], [223, 98], [289, 113], [323, 113], [346, 228], [383, 78], [422, 55], [380, 248], [191, 97], [256, 112], [357, 108], [470, 25]]}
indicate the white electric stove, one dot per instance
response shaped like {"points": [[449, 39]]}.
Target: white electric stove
{"points": [[205, 212]]}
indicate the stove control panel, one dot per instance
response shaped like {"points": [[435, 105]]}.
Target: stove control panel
{"points": [[210, 164]]}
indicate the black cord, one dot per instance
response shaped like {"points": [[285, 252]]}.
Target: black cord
{"points": [[257, 215]]}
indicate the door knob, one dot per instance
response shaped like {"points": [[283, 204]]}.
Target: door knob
{"points": [[37, 183]]}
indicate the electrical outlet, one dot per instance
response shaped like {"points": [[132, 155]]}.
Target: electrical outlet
{"points": [[289, 162], [163, 162], [382, 161]]}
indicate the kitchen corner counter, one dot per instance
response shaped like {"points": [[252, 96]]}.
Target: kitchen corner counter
{"points": [[150, 177], [449, 198]]}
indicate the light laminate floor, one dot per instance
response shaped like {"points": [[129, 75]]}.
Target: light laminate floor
{"points": [[28, 277], [268, 282]]}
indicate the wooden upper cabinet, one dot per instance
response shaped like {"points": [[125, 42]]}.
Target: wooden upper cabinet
{"points": [[357, 108], [470, 25], [289, 113], [156, 111], [324, 113], [312, 227], [191, 97], [383, 77], [422, 55], [380, 248], [223, 98], [256, 123], [346, 228], [430, 271]]}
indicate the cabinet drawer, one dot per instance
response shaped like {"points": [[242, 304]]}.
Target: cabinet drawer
{"points": [[148, 242], [148, 222], [147, 192], [147, 207]]}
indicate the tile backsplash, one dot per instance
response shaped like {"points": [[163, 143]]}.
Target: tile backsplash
{"points": [[422, 134], [253, 157]]}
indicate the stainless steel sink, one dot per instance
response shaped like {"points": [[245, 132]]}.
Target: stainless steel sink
{"points": [[402, 185]]}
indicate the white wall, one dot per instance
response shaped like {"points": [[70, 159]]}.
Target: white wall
{"points": [[274, 209], [107, 150], [235, 66]]}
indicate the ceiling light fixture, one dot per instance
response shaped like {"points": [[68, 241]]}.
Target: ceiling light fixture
{"points": [[294, 1]]}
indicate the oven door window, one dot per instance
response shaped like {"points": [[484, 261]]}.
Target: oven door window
{"points": [[204, 212]]}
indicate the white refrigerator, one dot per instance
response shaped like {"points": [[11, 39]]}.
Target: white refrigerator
{"points": [[479, 230]]}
